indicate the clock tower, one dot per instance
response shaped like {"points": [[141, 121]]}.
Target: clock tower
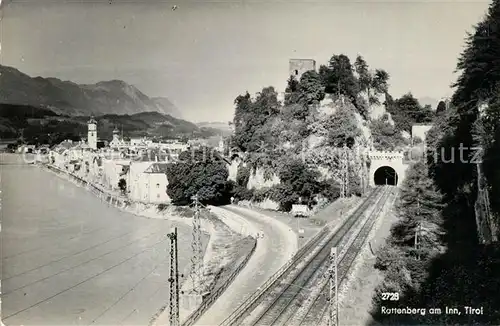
{"points": [[92, 133]]}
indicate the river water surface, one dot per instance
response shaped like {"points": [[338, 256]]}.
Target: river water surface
{"points": [[70, 259]]}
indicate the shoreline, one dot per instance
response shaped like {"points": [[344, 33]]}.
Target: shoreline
{"points": [[220, 235]]}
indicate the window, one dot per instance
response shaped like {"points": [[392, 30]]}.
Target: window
{"points": [[296, 72], [157, 185], [158, 196]]}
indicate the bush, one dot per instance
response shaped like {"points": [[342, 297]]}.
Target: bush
{"points": [[201, 174], [242, 176], [242, 193], [122, 184], [162, 207], [330, 189], [261, 194]]}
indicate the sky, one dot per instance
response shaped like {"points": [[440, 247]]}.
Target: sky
{"points": [[205, 53]]}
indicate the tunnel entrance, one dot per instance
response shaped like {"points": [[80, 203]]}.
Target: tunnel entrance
{"points": [[385, 175]]}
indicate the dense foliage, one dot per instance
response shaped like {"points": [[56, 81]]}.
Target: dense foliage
{"points": [[385, 135], [296, 181], [414, 241], [406, 111], [276, 136], [342, 128], [201, 172], [466, 274]]}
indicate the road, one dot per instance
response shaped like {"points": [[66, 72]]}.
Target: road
{"points": [[70, 259], [277, 246]]}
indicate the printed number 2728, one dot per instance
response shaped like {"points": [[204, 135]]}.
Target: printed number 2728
{"points": [[391, 296]]}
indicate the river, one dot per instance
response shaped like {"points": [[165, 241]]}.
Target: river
{"points": [[70, 259]]}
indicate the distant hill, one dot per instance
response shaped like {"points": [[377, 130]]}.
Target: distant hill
{"points": [[66, 97], [428, 101], [218, 127], [41, 125]]}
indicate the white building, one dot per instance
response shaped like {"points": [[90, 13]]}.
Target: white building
{"points": [[148, 182], [92, 133], [117, 141], [113, 171], [173, 149], [138, 142]]}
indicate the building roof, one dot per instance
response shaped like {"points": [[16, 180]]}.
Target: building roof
{"points": [[67, 144], [157, 168]]}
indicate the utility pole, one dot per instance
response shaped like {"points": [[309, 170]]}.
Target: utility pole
{"points": [[174, 279], [344, 172], [363, 171], [342, 183], [417, 229], [333, 294], [197, 258]]}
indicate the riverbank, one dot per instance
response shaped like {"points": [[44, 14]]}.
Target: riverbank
{"points": [[225, 254], [70, 259]]}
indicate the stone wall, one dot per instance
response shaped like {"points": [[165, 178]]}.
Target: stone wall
{"points": [[299, 66]]}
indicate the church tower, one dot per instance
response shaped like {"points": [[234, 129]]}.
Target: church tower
{"points": [[92, 133]]}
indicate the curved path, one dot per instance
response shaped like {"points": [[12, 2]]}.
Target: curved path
{"points": [[273, 250]]}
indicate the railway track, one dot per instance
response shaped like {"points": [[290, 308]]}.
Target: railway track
{"points": [[317, 311], [293, 287], [317, 241]]}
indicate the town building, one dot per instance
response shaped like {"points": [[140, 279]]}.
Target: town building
{"points": [[173, 149], [117, 141], [147, 182], [92, 133], [138, 142], [113, 171]]}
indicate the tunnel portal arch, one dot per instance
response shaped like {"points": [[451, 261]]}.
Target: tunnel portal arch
{"points": [[386, 165], [385, 175]]}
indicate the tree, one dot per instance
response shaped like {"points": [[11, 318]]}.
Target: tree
{"points": [[380, 81], [479, 72], [385, 136], [296, 180], [407, 111], [373, 83], [122, 184], [342, 128], [419, 209], [311, 88], [364, 76], [339, 78], [441, 107], [292, 91], [242, 116], [251, 119], [202, 172]]}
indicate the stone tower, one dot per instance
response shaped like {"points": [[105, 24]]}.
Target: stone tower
{"points": [[92, 133], [299, 66], [116, 135]]}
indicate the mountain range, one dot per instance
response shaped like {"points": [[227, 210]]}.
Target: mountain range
{"points": [[43, 126], [68, 98]]}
